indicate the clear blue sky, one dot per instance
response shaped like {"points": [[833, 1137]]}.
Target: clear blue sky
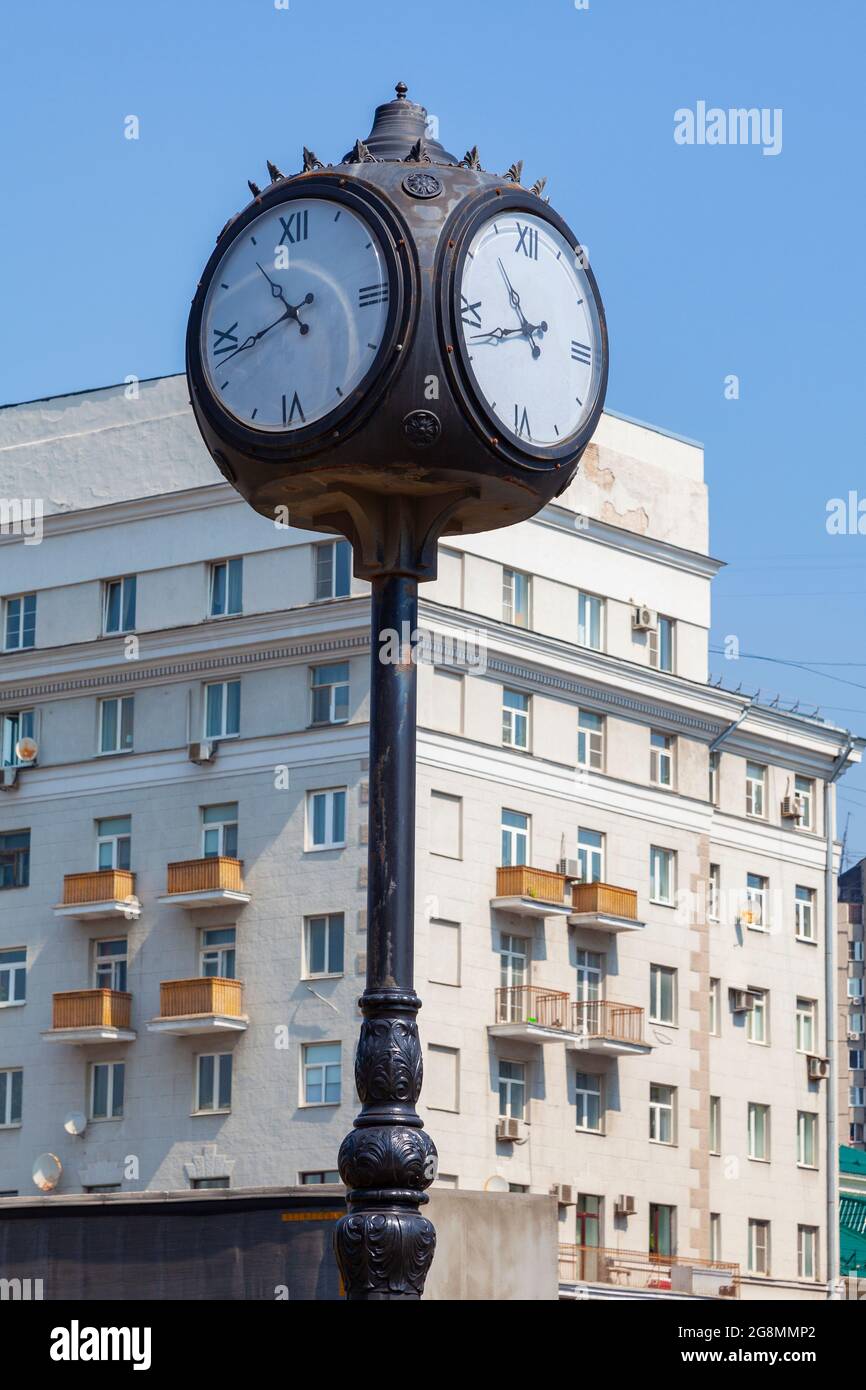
{"points": [[711, 260]]}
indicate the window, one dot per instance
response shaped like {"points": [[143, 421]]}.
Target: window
{"points": [[115, 725], [715, 1124], [590, 974], [330, 693], [107, 1081], [661, 1114], [442, 1078], [202, 1184], [219, 831], [323, 944], [661, 759], [104, 1187], [661, 644], [515, 838], [714, 895], [326, 819], [662, 875], [855, 951], [758, 1018], [590, 740], [512, 1090], [807, 1252], [715, 1235], [757, 894], [118, 605], [20, 622], [715, 1007], [443, 957], [856, 1023], [856, 1135], [321, 1073], [857, 1096], [222, 709], [11, 1093], [109, 964], [333, 569], [590, 629], [663, 994], [759, 1247], [807, 1139], [804, 913], [805, 1025], [756, 779], [588, 1220], [855, 987], [714, 779], [13, 976], [590, 855], [587, 1091], [662, 1229], [516, 592], [856, 1055], [515, 719], [226, 588], [446, 825], [217, 953], [213, 1081], [15, 859], [114, 842], [513, 966], [759, 1132], [804, 788], [21, 724], [320, 1176]]}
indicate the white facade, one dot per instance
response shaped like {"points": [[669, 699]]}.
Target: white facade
{"points": [[129, 491]]}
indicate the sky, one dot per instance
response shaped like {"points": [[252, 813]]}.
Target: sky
{"points": [[715, 261]]}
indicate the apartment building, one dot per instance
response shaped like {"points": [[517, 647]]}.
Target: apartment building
{"points": [[622, 871], [851, 977]]}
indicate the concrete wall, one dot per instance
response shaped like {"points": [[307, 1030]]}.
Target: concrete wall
{"points": [[493, 1247]]}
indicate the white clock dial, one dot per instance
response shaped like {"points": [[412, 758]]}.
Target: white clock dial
{"points": [[295, 314], [530, 326]]}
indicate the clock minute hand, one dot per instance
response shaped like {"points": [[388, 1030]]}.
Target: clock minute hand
{"points": [[526, 328], [498, 334], [254, 337], [291, 309]]}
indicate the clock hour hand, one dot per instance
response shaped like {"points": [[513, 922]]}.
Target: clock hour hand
{"points": [[291, 309], [527, 329], [498, 334]]}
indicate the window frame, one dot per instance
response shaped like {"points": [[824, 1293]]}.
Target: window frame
{"points": [[807, 1131], [23, 626], [124, 716], [122, 581], [657, 973], [589, 1093], [585, 602], [804, 788], [656, 645], [11, 1088], [511, 608], [592, 739], [756, 791], [228, 824], [510, 1087], [761, 1010], [331, 841], [655, 879], [232, 571], [222, 1061], [114, 1067], [810, 1233], [115, 840], [115, 964], [223, 733], [805, 914], [805, 1017], [758, 1226], [588, 855], [659, 1110], [332, 687], [758, 1109], [335, 575], [715, 1126], [219, 952], [330, 919], [516, 718], [12, 732], [16, 858], [517, 838], [16, 970], [308, 1067]]}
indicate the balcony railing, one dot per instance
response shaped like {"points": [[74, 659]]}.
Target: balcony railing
{"points": [[206, 875], [91, 1008], [635, 1269], [520, 881], [100, 886], [604, 898], [547, 1008], [208, 995], [599, 1018]]}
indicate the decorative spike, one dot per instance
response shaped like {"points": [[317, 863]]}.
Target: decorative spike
{"points": [[471, 159], [418, 153], [311, 162], [361, 155], [514, 173], [274, 172], [254, 188], [538, 187]]}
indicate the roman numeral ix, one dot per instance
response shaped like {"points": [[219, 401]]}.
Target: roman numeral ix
{"points": [[469, 312], [224, 340]]}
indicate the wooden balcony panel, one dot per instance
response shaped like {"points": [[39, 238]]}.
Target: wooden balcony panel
{"points": [[604, 898], [519, 880], [91, 1008], [209, 995], [101, 893], [206, 875]]}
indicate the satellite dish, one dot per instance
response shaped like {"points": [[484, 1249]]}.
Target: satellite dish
{"points": [[496, 1183], [46, 1172], [75, 1122], [26, 750]]}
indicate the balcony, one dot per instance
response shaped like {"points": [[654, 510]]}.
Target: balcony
{"points": [[531, 892], [195, 883], [530, 1013], [643, 1273], [607, 1029], [602, 907], [103, 893], [206, 1005], [90, 1016]]}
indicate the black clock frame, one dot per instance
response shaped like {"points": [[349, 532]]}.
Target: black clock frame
{"points": [[272, 446], [456, 240]]}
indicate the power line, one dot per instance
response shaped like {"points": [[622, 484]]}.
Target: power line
{"points": [[798, 665]]}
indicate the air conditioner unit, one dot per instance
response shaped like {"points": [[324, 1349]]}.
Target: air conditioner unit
{"points": [[643, 620], [742, 1001], [508, 1131], [819, 1068], [792, 808], [9, 780], [852, 1037], [202, 752], [570, 868], [565, 1194], [624, 1205]]}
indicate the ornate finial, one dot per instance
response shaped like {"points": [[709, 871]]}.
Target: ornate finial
{"points": [[514, 172], [310, 161], [254, 188], [401, 89], [418, 153], [538, 187], [274, 172], [361, 155], [471, 159]]}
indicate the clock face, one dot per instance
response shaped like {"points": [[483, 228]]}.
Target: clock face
{"points": [[529, 327], [295, 314]]}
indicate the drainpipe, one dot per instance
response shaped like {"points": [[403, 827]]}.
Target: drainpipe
{"points": [[726, 733], [830, 1019]]}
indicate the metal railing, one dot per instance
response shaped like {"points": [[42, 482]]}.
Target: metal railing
{"points": [[532, 1004], [637, 1269], [600, 1018]]}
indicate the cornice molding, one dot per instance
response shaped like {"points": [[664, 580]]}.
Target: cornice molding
{"points": [[632, 542]]}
